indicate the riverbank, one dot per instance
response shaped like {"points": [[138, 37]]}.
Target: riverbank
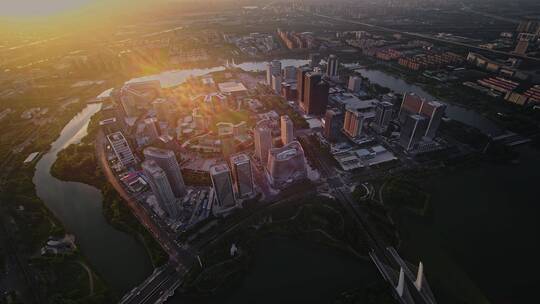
{"points": [[111, 253], [518, 119], [29, 224], [77, 163]]}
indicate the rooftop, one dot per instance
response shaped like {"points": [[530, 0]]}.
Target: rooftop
{"points": [[219, 168], [107, 121], [239, 158], [152, 167], [231, 87], [116, 136], [158, 152]]}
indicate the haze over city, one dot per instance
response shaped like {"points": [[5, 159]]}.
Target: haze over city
{"points": [[252, 151]]}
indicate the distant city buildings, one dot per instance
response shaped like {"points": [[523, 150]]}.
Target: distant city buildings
{"points": [[161, 188], [287, 130], [296, 40], [531, 26], [166, 160], [121, 149], [287, 165], [253, 44], [430, 61], [242, 175], [223, 186]]}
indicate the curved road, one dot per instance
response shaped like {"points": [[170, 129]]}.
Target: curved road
{"points": [[90, 277]]}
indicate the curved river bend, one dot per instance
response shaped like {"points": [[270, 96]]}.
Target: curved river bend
{"points": [[118, 257]]}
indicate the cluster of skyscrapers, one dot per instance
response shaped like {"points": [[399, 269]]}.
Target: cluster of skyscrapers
{"points": [[234, 182], [308, 85], [286, 164], [419, 120], [165, 179]]}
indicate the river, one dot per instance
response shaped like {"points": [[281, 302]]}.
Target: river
{"points": [[176, 77], [119, 258], [453, 111], [478, 239]]}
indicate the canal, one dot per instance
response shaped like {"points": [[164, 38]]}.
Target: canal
{"points": [[118, 258]]}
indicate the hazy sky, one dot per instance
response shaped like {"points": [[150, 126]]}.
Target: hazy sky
{"points": [[15, 8]]}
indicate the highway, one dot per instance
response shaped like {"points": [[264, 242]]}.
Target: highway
{"points": [[422, 36], [156, 288]]}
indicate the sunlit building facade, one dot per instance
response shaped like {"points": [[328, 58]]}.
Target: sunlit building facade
{"points": [[287, 130], [167, 161], [121, 149], [161, 188]]}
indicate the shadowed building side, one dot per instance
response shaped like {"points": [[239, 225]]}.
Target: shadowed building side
{"points": [[287, 164], [167, 161]]}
